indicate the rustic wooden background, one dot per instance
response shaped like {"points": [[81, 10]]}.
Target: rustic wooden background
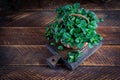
{"points": [[22, 43]]}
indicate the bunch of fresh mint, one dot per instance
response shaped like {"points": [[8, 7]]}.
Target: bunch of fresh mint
{"points": [[74, 26]]}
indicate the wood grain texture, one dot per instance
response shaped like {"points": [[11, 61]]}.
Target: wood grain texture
{"points": [[44, 17], [45, 73], [22, 43], [27, 55], [36, 35], [30, 19], [36, 55], [51, 4]]}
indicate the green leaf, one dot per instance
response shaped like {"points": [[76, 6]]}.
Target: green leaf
{"points": [[72, 31], [62, 31], [73, 18], [69, 24], [79, 54], [73, 56], [93, 23], [66, 35], [96, 42], [76, 5], [70, 60], [59, 10], [82, 11], [60, 48], [57, 37], [47, 29], [101, 38], [75, 59], [56, 29], [56, 40], [52, 44], [84, 30], [90, 45], [77, 40], [91, 27], [90, 33], [71, 44], [67, 7], [77, 21], [80, 45], [82, 24], [79, 25], [101, 20], [77, 31]]}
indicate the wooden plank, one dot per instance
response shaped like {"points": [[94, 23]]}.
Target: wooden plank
{"points": [[22, 36], [48, 4], [45, 73], [43, 17], [23, 55], [107, 55], [31, 19], [36, 35]]}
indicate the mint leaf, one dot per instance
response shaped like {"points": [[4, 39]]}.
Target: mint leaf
{"points": [[72, 31], [60, 47], [80, 45], [67, 7], [76, 5], [90, 45], [77, 21], [52, 44], [96, 42], [73, 56], [77, 40], [101, 20], [66, 35]]}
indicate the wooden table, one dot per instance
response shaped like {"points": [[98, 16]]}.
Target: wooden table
{"points": [[23, 52]]}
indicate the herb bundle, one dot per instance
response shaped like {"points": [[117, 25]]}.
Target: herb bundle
{"points": [[74, 27]]}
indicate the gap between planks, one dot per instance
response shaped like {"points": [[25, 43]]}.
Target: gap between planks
{"points": [[45, 27], [44, 45], [31, 10], [82, 65]]}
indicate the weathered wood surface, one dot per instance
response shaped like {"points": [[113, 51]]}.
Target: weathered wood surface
{"points": [[51, 4], [22, 44], [44, 17], [107, 55], [45, 73], [36, 35]]}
